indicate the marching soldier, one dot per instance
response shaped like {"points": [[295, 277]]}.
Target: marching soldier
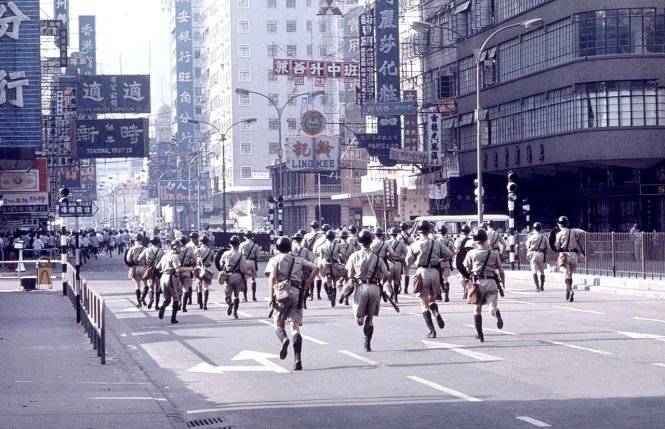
{"points": [[193, 244], [496, 242], [353, 237], [287, 267], [568, 242], [328, 256], [400, 250], [187, 259], [368, 271], [136, 270], [463, 244], [149, 258], [536, 246], [309, 240], [405, 238], [298, 249], [481, 264], [204, 260], [170, 266], [428, 253], [346, 249], [234, 268], [447, 241], [250, 250]]}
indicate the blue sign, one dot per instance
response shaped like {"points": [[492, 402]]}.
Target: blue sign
{"points": [[377, 144], [61, 12], [76, 208], [88, 44], [113, 94], [184, 73], [391, 108], [182, 191], [387, 73], [20, 75], [111, 138]]}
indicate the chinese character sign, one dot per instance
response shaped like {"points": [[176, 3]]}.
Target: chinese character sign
{"points": [[410, 123], [20, 74], [389, 194], [312, 154], [184, 72], [182, 191], [88, 44], [307, 68], [113, 94], [111, 138], [366, 56], [434, 138]]}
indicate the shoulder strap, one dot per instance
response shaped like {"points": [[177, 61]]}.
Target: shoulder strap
{"points": [[332, 250], [396, 244], [233, 270], [482, 269], [540, 242], [429, 256], [154, 257], [293, 260]]}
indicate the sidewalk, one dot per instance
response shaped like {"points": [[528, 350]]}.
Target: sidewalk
{"points": [[50, 376]]}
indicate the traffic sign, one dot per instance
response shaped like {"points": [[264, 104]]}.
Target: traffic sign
{"points": [[77, 208]]}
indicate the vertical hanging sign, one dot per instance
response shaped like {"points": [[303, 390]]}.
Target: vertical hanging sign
{"points": [[434, 138], [184, 72], [387, 73], [88, 44], [410, 122], [366, 58]]}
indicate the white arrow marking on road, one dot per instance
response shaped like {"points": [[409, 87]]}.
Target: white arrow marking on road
{"points": [[460, 349], [533, 421], [266, 365], [444, 389], [660, 364], [639, 336], [572, 346], [649, 320], [578, 309]]}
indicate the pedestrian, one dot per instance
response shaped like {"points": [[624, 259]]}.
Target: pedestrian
{"points": [[170, 266], [536, 246], [428, 253], [568, 243], [192, 245], [446, 266], [636, 236], [251, 251], [149, 258], [482, 263], [285, 267], [136, 270], [234, 267], [368, 271], [204, 259]]}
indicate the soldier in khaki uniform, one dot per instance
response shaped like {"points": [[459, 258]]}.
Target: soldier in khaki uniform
{"points": [[569, 242], [187, 259], [346, 249], [428, 253], [149, 258], [482, 263], [169, 266], [464, 243], [368, 272], [448, 242], [251, 251], [204, 259], [353, 237], [278, 268], [136, 270], [495, 241], [405, 237], [309, 241], [399, 250], [327, 255], [536, 251], [299, 249], [234, 267]]}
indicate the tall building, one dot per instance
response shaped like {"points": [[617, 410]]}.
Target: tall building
{"points": [[576, 107]]}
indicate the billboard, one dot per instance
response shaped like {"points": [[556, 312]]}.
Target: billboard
{"points": [[307, 154], [111, 138], [315, 68], [20, 74], [184, 73], [113, 94], [88, 44], [182, 191]]}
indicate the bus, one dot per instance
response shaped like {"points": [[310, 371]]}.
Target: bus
{"points": [[455, 222]]}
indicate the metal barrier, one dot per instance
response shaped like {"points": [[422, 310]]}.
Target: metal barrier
{"points": [[614, 254], [89, 306], [9, 261]]}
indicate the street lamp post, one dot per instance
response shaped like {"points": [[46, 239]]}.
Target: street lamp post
{"points": [[222, 137], [425, 27]]}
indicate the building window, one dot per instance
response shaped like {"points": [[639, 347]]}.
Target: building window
{"points": [[273, 148], [243, 51], [310, 50], [322, 27], [245, 172], [323, 50], [308, 25], [245, 126], [290, 3], [245, 148], [274, 98], [292, 50], [243, 26], [271, 4], [271, 26], [271, 75], [308, 3], [244, 75], [273, 123], [243, 4], [272, 50], [245, 100], [292, 123]]}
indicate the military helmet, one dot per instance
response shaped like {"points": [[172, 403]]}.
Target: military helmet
{"points": [[483, 225], [193, 235], [234, 240], [443, 230], [184, 240], [314, 224], [205, 239], [325, 227], [491, 223], [139, 237], [479, 234], [249, 234], [403, 226], [297, 236], [379, 232], [365, 237], [563, 221], [156, 241], [466, 229], [424, 226], [283, 244], [344, 234], [302, 232], [330, 235], [353, 229], [537, 226], [393, 231], [176, 243]]}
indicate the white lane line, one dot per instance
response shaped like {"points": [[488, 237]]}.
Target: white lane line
{"points": [[314, 340], [444, 389], [649, 320], [128, 398], [641, 336], [660, 364], [461, 350], [266, 322], [523, 292], [360, 358], [205, 410], [533, 421], [577, 309], [498, 331], [517, 302], [573, 346], [136, 334]]}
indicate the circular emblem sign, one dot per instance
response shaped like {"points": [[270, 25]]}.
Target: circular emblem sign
{"points": [[312, 122]]}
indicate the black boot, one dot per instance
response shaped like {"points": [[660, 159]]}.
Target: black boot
{"points": [[236, 304], [199, 299], [229, 302], [428, 321], [434, 308], [244, 292], [186, 297], [162, 309], [333, 295], [542, 282], [569, 290], [281, 334], [143, 295], [253, 290], [464, 295], [499, 320], [535, 280], [138, 298], [152, 299], [297, 349], [318, 289], [206, 293], [478, 321], [368, 331], [158, 294], [406, 285], [446, 292], [173, 313], [190, 296]]}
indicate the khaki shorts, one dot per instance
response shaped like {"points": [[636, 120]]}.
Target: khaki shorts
{"points": [[431, 282], [366, 300], [289, 312], [171, 286], [536, 261]]}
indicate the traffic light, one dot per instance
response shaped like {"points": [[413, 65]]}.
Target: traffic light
{"points": [[526, 209], [64, 193], [271, 200], [475, 190], [512, 186], [280, 205]]}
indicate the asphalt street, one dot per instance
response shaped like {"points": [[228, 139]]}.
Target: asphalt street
{"points": [[596, 362]]}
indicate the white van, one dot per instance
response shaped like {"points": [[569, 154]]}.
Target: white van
{"points": [[454, 222]]}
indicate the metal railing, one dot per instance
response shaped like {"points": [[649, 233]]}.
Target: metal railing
{"points": [[614, 254]]}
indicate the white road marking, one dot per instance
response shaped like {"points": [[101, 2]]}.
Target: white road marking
{"points": [[660, 364], [572, 346], [649, 320], [314, 340], [82, 382], [266, 322], [461, 350], [577, 309], [128, 398], [360, 358], [640, 336], [533, 421], [135, 334], [108, 301], [444, 389], [499, 331], [523, 292], [265, 364], [517, 302], [242, 313], [205, 410], [130, 310]]}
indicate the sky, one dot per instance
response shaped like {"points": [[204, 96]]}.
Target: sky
{"points": [[132, 38]]}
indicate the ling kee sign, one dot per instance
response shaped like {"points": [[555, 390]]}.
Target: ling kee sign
{"points": [[111, 138], [308, 154]]}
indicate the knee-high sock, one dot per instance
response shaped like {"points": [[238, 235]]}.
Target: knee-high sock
{"points": [[542, 281], [428, 321], [535, 280], [297, 346], [478, 322]]}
